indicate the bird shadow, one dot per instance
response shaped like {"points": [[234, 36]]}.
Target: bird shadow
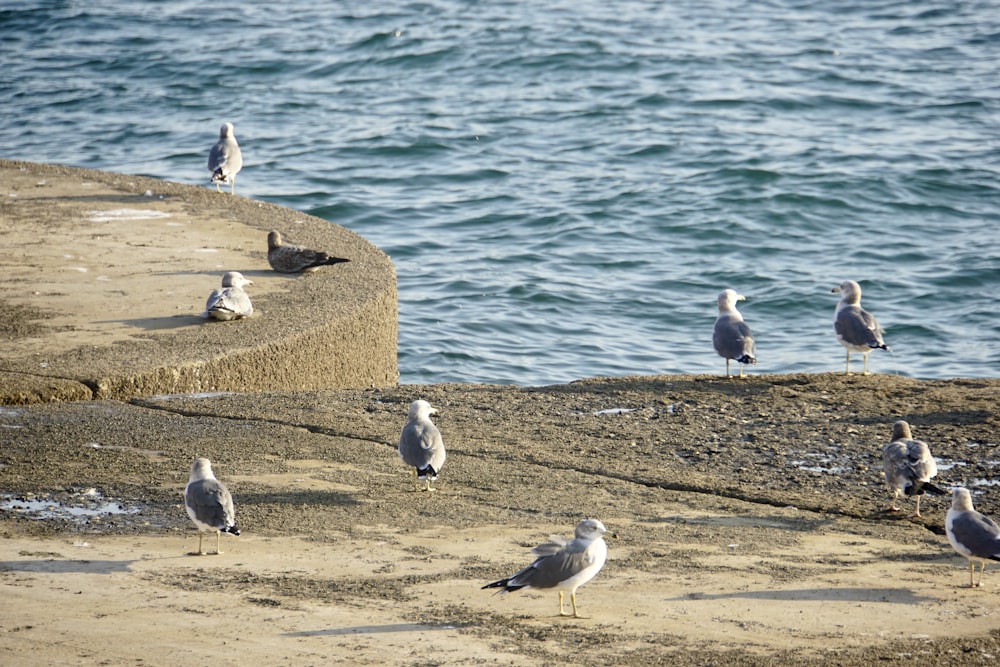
{"points": [[888, 595], [312, 497], [58, 566], [367, 630], [159, 323]]}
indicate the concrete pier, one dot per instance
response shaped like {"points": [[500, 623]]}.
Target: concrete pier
{"points": [[106, 275]]}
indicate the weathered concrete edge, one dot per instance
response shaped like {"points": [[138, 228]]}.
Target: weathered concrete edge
{"points": [[351, 343]]}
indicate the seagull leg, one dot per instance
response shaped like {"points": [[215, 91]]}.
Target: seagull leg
{"points": [[218, 537], [561, 612], [572, 598], [865, 355], [741, 370], [847, 368], [727, 367], [982, 567], [217, 188], [916, 512], [416, 482], [233, 183], [429, 488], [200, 535], [892, 505]]}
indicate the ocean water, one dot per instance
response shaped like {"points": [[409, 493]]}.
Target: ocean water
{"points": [[564, 187]]}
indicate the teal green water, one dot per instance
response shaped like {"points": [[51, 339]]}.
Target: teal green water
{"points": [[565, 187]]}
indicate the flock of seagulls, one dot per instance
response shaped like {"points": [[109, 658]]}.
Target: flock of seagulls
{"points": [[231, 302], [561, 565], [856, 328], [565, 565], [909, 467]]}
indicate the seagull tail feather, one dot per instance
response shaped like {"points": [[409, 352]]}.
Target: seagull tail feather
{"points": [[231, 529], [747, 359], [502, 584]]}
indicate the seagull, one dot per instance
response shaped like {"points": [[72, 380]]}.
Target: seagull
{"points": [[908, 467], [230, 302], [732, 338], [208, 503], [856, 328], [562, 565], [420, 443], [971, 534], [290, 258], [225, 160]]}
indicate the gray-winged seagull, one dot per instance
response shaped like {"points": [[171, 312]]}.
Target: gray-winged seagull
{"points": [[209, 504], [230, 302], [561, 565], [225, 159], [420, 443], [856, 328], [732, 338], [973, 535], [908, 467], [290, 258]]}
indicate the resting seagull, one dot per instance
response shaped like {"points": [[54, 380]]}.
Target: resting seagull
{"points": [[230, 302], [290, 258], [209, 504], [856, 328], [732, 338], [420, 443], [908, 467], [225, 160], [971, 534], [562, 565]]}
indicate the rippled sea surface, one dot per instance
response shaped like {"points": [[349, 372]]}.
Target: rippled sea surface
{"points": [[564, 187]]}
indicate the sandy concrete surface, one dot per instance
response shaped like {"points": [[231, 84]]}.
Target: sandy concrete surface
{"points": [[747, 525], [106, 275]]}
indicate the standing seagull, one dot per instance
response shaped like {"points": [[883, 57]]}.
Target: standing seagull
{"points": [[732, 338], [856, 328], [225, 160], [971, 534], [908, 466], [562, 565], [290, 258], [230, 302], [209, 504], [420, 443]]}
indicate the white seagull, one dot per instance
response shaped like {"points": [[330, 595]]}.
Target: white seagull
{"points": [[420, 443], [561, 565], [732, 338], [225, 159], [230, 302], [971, 534], [209, 504], [908, 467], [856, 328]]}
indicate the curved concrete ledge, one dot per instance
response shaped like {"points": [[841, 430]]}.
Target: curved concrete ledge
{"points": [[105, 277]]}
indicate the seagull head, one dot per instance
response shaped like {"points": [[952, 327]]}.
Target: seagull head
{"points": [[728, 298], [850, 291], [421, 409], [589, 529], [235, 279]]}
